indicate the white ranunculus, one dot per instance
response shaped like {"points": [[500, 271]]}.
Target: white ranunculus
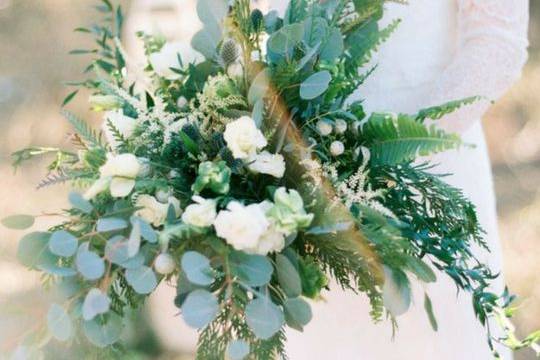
{"points": [[242, 226], [122, 170], [201, 214], [267, 163], [167, 58], [125, 125], [153, 211], [337, 148], [324, 127], [244, 138], [340, 126]]}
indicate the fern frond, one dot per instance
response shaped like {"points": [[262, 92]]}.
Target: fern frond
{"points": [[53, 179], [437, 112], [90, 136], [400, 139]]}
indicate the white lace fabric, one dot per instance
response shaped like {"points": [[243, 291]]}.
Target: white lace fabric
{"points": [[492, 50]]}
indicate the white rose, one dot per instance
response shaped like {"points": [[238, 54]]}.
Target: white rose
{"points": [[242, 226], [167, 58], [266, 163], [122, 170], [271, 241], [244, 138], [98, 187], [201, 214], [153, 211], [125, 125]]}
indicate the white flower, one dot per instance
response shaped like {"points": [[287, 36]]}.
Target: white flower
{"points": [[340, 126], [167, 58], [200, 214], [164, 264], [125, 125], [98, 187], [337, 148], [121, 170], [266, 163], [153, 211], [242, 226], [324, 128], [244, 138], [271, 241], [235, 70], [181, 102]]}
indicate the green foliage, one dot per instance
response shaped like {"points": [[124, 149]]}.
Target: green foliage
{"points": [[18, 222], [437, 112], [91, 138], [400, 139]]}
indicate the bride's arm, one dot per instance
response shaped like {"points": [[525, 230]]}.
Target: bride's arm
{"points": [[491, 54]]}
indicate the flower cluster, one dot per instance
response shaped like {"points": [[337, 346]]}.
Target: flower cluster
{"points": [[238, 167]]}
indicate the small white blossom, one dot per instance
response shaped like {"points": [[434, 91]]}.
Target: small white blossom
{"points": [[340, 126], [267, 163], [153, 211], [121, 170], [324, 128], [167, 59], [337, 148], [200, 214], [181, 102], [244, 138]]}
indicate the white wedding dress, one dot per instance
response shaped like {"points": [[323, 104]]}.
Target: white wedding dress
{"points": [[443, 50]]}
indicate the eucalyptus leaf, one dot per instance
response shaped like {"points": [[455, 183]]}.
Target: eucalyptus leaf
{"points": [[288, 276], [63, 243], [134, 241], [396, 292], [103, 334], [315, 85], [89, 264], [95, 303], [18, 222], [143, 279], [80, 203], [238, 350], [34, 249], [264, 318], [200, 308], [254, 270], [197, 268], [421, 269], [333, 47], [285, 39], [428, 306], [59, 323], [297, 313], [147, 231], [111, 224], [117, 250]]}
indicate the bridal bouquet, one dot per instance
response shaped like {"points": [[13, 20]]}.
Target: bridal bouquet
{"points": [[241, 172]]}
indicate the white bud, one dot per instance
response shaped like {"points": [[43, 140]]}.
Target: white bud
{"points": [[181, 102], [164, 264], [337, 148], [163, 195], [324, 128], [173, 174], [340, 126]]}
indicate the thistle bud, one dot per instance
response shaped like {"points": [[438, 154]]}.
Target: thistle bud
{"points": [[257, 19], [229, 52]]}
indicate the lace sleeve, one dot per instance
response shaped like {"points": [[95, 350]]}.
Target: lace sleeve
{"points": [[491, 53]]}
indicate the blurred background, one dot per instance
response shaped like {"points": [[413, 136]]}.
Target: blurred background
{"points": [[35, 38]]}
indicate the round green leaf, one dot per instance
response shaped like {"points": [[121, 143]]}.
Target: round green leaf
{"points": [[103, 334], [288, 276], [396, 292], [254, 270], [264, 318], [200, 308], [297, 313], [89, 264], [59, 323], [315, 85], [111, 224], [147, 232], [18, 222], [63, 243], [116, 250], [238, 350], [80, 203], [34, 249], [142, 279], [197, 268], [95, 303]]}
